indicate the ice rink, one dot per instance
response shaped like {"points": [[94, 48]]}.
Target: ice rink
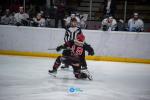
{"points": [[27, 78]]}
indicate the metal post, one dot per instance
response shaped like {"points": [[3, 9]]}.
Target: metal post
{"points": [[125, 10], [90, 9]]}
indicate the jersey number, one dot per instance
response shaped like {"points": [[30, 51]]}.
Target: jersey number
{"points": [[78, 50]]}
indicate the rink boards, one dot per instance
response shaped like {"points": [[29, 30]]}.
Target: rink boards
{"points": [[108, 46]]}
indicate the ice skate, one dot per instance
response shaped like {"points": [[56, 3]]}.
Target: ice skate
{"points": [[89, 76], [52, 72]]}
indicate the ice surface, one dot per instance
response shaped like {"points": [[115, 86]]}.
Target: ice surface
{"points": [[27, 78]]}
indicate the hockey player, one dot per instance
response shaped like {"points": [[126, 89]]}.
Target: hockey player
{"points": [[70, 35], [74, 57]]}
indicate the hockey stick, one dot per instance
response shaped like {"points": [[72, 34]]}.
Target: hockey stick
{"points": [[51, 48]]}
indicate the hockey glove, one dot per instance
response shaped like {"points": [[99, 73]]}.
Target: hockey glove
{"points": [[58, 48], [67, 52], [91, 53]]}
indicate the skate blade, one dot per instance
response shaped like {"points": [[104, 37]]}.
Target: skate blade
{"points": [[52, 74]]}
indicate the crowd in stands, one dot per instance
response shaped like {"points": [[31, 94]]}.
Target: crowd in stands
{"points": [[43, 18], [109, 23], [22, 18], [135, 24]]}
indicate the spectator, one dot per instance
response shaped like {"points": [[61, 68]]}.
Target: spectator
{"points": [[135, 24], [109, 24], [21, 17], [7, 18], [109, 7], [68, 19], [120, 25], [31, 11], [83, 20], [60, 14], [39, 21], [42, 14]]}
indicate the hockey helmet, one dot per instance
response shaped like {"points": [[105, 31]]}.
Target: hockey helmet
{"points": [[80, 39]]}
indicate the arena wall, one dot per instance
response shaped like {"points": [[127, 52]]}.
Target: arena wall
{"points": [[109, 46]]}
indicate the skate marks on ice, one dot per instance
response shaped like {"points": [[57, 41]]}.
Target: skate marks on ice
{"points": [[67, 71]]}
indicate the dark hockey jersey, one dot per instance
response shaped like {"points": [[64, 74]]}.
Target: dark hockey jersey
{"points": [[77, 51]]}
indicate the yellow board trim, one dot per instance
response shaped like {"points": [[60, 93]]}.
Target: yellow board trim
{"points": [[97, 58]]}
